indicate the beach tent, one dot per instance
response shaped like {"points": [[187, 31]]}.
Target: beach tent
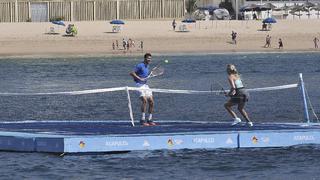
{"points": [[189, 20], [117, 22], [116, 25], [58, 23], [183, 27]]}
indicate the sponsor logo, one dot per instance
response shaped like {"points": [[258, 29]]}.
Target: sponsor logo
{"points": [[265, 139], [254, 139], [203, 140], [178, 141], [146, 143], [82, 144], [170, 142], [304, 138], [229, 141], [117, 143]]}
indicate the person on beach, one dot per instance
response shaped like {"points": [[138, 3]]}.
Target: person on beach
{"points": [[280, 43], [268, 41], [315, 41], [124, 44], [254, 16], [140, 75], [141, 45], [174, 24], [238, 96], [234, 37]]}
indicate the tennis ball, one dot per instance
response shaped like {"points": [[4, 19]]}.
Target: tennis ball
{"points": [[166, 61]]}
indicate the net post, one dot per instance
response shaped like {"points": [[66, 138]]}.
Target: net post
{"points": [[305, 105], [129, 105]]}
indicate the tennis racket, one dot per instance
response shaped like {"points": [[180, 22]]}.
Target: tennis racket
{"points": [[222, 91], [156, 71]]}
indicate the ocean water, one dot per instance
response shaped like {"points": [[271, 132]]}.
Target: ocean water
{"points": [[194, 72]]}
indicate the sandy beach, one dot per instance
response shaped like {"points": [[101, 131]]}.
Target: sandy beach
{"points": [[96, 38]]}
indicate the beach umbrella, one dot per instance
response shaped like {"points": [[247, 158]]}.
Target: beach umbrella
{"points": [[316, 8], [269, 6], [60, 23], [297, 8], [308, 4], [117, 21], [189, 20], [269, 20], [208, 8], [263, 8], [251, 7], [283, 8]]}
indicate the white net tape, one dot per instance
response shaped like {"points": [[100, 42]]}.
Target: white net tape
{"points": [[172, 91]]}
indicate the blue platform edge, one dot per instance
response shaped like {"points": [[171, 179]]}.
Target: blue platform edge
{"points": [[235, 137]]}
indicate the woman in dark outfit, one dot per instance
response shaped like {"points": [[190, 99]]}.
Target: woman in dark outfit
{"points": [[238, 96]]}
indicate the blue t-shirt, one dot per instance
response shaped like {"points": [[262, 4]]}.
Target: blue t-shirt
{"points": [[142, 70]]}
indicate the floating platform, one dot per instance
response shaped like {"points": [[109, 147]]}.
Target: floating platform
{"points": [[115, 136]]}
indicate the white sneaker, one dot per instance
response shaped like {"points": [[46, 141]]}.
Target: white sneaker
{"points": [[250, 124], [236, 121]]}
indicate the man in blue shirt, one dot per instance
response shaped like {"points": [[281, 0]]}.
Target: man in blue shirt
{"points": [[140, 75]]}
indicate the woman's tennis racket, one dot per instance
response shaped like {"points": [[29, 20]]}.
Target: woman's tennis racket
{"points": [[222, 91]]}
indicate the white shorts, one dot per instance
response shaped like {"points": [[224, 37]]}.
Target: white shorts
{"points": [[144, 91]]}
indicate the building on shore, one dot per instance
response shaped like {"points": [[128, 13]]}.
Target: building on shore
{"points": [[283, 9], [89, 10]]}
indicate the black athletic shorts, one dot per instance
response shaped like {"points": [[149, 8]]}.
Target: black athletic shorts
{"points": [[241, 96]]}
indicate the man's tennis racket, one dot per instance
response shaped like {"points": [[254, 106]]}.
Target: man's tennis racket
{"points": [[156, 71]]}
